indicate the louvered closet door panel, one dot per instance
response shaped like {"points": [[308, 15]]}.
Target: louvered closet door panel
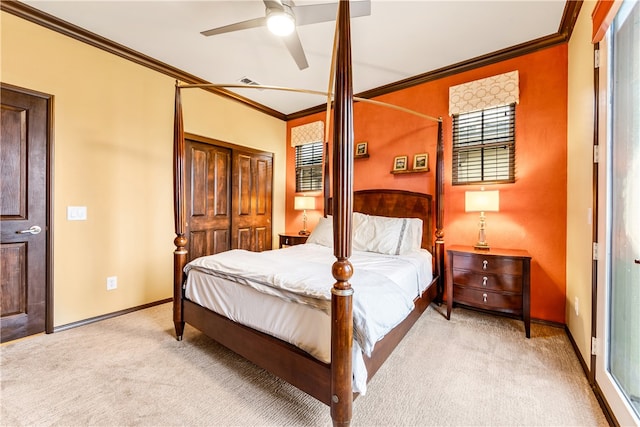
{"points": [[208, 195], [262, 218], [252, 193], [263, 186], [243, 181]]}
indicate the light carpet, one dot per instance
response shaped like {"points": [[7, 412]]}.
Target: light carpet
{"points": [[474, 370]]}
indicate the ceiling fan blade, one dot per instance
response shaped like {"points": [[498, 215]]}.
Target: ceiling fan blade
{"points": [[292, 42], [273, 4], [315, 13], [244, 25], [360, 8]]}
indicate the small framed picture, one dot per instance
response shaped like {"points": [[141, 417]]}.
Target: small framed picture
{"points": [[361, 148], [400, 163], [421, 161]]}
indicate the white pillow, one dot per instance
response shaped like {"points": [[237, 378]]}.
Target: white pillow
{"points": [[391, 236], [413, 237], [380, 234], [322, 234], [359, 235]]}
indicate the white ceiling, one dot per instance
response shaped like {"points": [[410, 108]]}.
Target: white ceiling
{"points": [[399, 40]]}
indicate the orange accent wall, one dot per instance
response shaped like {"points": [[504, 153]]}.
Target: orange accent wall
{"points": [[532, 210]]}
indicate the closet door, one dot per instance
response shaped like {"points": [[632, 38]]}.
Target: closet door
{"points": [[208, 170], [252, 189]]}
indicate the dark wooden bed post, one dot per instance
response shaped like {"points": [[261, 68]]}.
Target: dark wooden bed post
{"points": [[439, 245], [342, 270], [179, 205]]}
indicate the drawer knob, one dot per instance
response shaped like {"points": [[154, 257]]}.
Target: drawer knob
{"points": [[485, 263], [484, 297], [484, 281], [286, 241]]}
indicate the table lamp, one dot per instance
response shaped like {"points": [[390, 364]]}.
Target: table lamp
{"points": [[482, 201], [302, 203]]}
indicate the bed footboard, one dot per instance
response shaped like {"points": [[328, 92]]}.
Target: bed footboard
{"points": [[276, 356]]}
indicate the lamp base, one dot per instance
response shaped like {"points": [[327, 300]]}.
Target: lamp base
{"points": [[482, 235], [304, 233]]}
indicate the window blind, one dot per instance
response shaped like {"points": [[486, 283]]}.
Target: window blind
{"points": [[484, 146], [309, 167]]}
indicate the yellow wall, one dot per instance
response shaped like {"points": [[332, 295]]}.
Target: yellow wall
{"points": [[579, 181], [113, 132]]}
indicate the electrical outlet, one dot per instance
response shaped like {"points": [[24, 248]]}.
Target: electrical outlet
{"points": [[112, 283], [576, 306]]}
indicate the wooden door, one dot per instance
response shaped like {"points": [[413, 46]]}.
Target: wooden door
{"points": [[252, 192], [24, 154], [208, 198]]}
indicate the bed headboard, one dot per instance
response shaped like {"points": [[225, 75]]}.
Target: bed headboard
{"points": [[397, 204]]}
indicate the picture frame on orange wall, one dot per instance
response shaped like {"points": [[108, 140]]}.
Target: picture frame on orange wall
{"points": [[421, 161], [400, 163], [361, 149]]}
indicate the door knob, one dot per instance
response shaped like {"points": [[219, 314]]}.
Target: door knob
{"points": [[33, 230]]}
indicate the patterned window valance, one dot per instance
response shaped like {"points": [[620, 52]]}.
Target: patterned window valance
{"points": [[494, 91], [307, 134]]}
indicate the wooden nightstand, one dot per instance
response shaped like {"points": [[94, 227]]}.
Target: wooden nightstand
{"points": [[497, 280], [291, 239]]}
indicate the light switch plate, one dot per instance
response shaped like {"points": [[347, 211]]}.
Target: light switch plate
{"points": [[76, 213]]}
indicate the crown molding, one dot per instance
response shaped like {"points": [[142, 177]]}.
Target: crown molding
{"points": [[569, 18], [43, 19], [22, 10]]}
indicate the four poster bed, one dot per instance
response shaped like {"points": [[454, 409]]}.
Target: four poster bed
{"points": [[315, 335]]}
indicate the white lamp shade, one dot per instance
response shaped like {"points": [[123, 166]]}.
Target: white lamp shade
{"points": [[482, 201], [304, 202]]}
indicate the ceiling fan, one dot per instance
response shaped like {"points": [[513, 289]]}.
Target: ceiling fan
{"points": [[282, 17]]}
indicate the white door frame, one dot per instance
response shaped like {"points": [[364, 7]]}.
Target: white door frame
{"points": [[618, 403]]}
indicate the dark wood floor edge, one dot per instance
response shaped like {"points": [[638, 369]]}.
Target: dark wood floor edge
{"points": [[109, 315], [608, 414], [604, 405], [576, 350], [549, 323]]}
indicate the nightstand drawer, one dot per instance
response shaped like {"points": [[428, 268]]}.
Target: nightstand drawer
{"points": [[488, 263], [507, 303], [504, 282]]}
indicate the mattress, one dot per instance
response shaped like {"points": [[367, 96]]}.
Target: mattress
{"points": [[307, 326]]}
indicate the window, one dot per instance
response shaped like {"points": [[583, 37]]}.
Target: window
{"points": [[484, 146], [309, 167]]}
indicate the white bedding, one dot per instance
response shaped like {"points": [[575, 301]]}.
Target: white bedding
{"points": [[287, 293]]}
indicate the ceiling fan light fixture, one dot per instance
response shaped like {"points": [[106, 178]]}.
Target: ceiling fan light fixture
{"points": [[281, 22]]}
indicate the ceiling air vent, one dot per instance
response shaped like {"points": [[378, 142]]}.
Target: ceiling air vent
{"points": [[246, 80]]}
